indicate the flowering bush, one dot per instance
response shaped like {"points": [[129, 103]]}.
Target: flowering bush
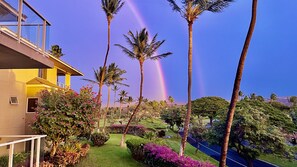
{"points": [[99, 139], [156, 155], [137, 130], [64, 113]]}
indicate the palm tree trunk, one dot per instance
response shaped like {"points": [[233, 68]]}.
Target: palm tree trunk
{"points": [[188, 116], [120, 110], [237, 85], [103, 72], [107, 107], [137, 107]]}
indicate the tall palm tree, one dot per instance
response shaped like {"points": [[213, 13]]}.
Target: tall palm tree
{"points": [[171, 100], [141, 49], [190, 10], [236, 86], [123, 94], [98, 75], [273, 97], [110, 7], [115, 88], [114, 76]]}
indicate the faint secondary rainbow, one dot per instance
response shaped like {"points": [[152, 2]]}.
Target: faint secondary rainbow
{"points": [[142, 24]]}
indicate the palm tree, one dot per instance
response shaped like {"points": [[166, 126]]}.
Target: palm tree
{"points": [[115, 88], [110, 7], [114, 76], [123, 94], [98, 75], [129, 101], [273, 97], [190, 11], [141, 49], [236, 86], [171, 100]]}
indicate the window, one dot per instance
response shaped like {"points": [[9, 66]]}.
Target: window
{"points": [[32, 104], [42, 73], [13, 100]]}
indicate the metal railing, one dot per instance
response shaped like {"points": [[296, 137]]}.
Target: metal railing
{"points": [[26, 138], [22, 22]]}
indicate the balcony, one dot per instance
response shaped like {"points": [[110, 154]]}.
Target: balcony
{"points": [[23, 36]]}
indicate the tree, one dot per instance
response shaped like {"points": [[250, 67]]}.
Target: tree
{"points": [[273, 97], [115, 88], [171, 100], [252, 132], [240, 94], [236, 86], [141, 49], [61, 114], [174, 116], [56, 51], [123, 94], [110, 7], [114, 77], [190, 11], [209, 106], [293, 100], [98, 75]]}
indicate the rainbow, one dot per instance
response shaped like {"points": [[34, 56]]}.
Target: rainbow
{"points": [[142, 24]]}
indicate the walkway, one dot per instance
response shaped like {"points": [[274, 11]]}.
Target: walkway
{"points": [[233, 159]]}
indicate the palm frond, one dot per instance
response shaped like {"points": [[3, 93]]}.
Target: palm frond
{"points": [[218, 5], [127, 51], [174, 6], [161, 56]]}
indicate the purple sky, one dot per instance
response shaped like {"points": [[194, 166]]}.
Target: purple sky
{"points": [[80, 29]]}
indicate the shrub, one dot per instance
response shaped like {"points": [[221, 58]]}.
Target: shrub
{"points": [[136, 148], [61, 114], [99, 139], [17, 159], [149, 135], [156, 155], [161, 133], [137, 130]]}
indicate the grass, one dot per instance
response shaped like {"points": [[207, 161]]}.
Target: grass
{"points": [[282, 162], [110, 155], [153, 123]]}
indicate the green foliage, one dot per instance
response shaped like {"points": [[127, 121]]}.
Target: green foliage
{"points": [[62, 114], [252, 132], [198, 132], [275, 116], [293, 100], [56, 51], [17, 159], [149, 135], [174, 116], [99, 139], [135, 146], [209, 106], [279, 106]]}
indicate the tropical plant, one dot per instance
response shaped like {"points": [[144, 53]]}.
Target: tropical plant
{"points": [[115, 88], [273, 97], [209, 106], [252, 132], [171, 100], [190, 11], [61, 114], [56, 51], [110, 8], [123, 95], [293, 100], [99, 139], [113, 77], [236, 86], [97, 75], [141, 49]]}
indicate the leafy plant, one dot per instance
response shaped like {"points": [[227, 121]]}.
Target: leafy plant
{"points": [[62, 114], [99, 139]]}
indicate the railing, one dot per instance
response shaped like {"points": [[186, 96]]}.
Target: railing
{"points": [[20, 21], [26, 138]]}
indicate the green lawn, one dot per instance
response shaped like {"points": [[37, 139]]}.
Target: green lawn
{"points": [[282, 162], [110, 155]]}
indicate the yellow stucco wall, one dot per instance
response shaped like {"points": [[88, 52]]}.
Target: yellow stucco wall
{"points": [[52, 75]]}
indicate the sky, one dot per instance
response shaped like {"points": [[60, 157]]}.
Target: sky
{"points": [[80, 28]]}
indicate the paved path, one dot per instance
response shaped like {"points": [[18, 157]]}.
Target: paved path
{"points": [[233, 159]]}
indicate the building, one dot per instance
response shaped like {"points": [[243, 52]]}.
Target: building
{"points": [[25, 67]]}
